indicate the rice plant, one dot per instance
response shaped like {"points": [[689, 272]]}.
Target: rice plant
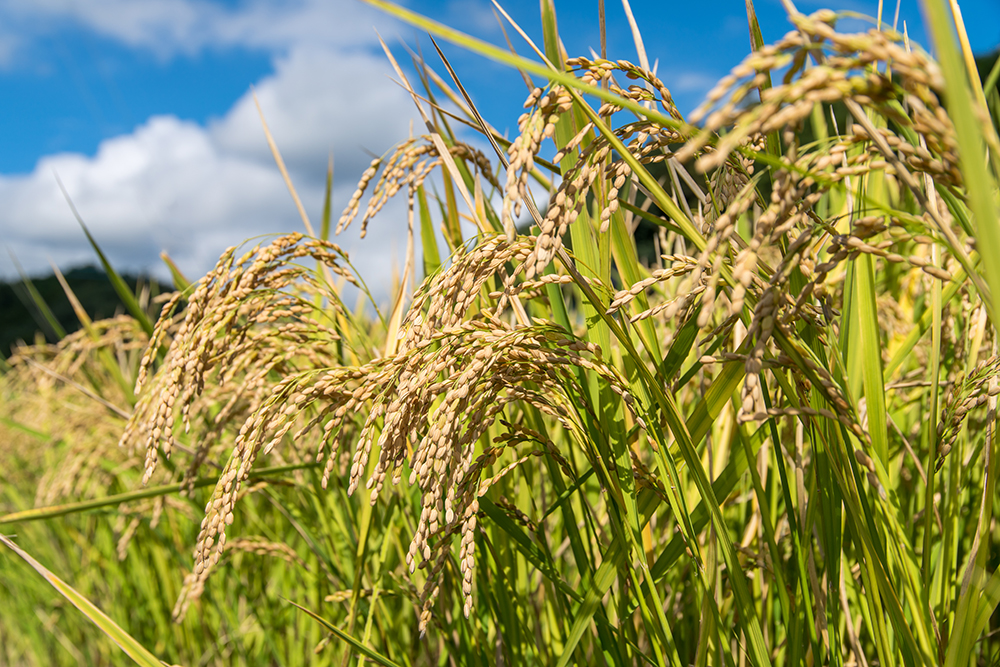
{"points": [[766, 437]]}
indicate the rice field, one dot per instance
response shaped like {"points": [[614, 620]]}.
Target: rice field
{"points": [[725, 394]]}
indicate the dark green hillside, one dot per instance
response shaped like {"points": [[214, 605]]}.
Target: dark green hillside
{"points": [[21, 319]]}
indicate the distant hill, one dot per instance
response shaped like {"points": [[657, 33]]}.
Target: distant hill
{"points": [[985, 63], [21, 320]]}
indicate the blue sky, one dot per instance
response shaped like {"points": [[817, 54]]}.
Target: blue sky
{"points": [[142, 108]]}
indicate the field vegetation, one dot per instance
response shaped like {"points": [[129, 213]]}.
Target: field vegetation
{"points": [[766, 435]]}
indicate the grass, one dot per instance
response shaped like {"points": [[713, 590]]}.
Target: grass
{"points": [[769, 442]]}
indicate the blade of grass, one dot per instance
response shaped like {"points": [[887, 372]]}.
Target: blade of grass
{"points": [[281, 167], [180, 280], [372, 655], [529, 550], [121, 288], [871, 353], [53, 511], [133, 649], [973, 595], [324, 227], [41, 436], [442, 148], [79, 387], [518, 62], [961, 106], [756, 44], [48, 317], [428, 239], [107, 361]]}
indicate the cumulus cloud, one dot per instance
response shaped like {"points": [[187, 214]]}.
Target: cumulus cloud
{"points": [[170, 27], [165, 186], [316, 100], [193, 190]]}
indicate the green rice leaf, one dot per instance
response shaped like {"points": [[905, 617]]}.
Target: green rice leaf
{"points": [[371, 654], [121, 287], [133, 649], [54, 511]]}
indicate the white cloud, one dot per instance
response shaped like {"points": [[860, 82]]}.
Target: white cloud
{"points": [[318, 100], [193, 191], [170, 27]]}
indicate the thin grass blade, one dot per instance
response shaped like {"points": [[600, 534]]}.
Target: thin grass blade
{"points": [[133, 649]]}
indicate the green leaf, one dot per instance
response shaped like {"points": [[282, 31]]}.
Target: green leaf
{"points": [[48, 317], [357, 645], [979, 185], [324, 228], [121, 287], [53, 511], [428, 239], [526, 547], [125, 641]]}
